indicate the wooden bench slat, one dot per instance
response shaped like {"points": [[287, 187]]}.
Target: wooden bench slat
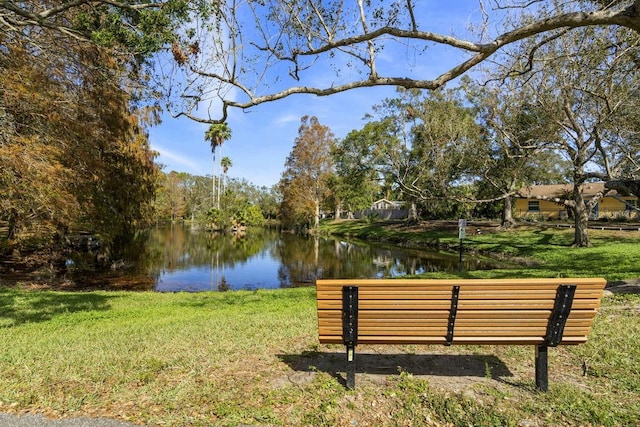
{"points": [[370, 283], [538, 335], [583, 304], [420, 323], [446, 284], [437, 286], [463, 340], [386, 315], [572, 328], [465, 292]]}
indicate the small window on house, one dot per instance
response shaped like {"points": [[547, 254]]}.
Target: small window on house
{"points": [[533, 206]]}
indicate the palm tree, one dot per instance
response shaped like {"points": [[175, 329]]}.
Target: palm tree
{"points": [[226, 164], [217, 134]]}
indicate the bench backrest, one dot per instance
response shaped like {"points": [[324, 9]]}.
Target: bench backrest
{"points": [[483, 311]]}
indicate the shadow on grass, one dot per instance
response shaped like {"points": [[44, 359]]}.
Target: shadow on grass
{"points": [[19, 307], [392, 364]]}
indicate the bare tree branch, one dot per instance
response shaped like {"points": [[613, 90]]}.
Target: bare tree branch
{"points": [[351, 42]]}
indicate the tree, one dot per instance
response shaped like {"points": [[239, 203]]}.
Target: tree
{"points": [[142, 26], [588, 82], [269, 199], [171, 196], [217, 134], [237, 51], [268, 38], [225, 163], [437, 141], [516, 132], [307, 169], [74, 152], [357, 166]]}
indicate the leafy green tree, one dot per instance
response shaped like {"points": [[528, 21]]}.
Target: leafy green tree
{"points": [[171, 200], [269, 201], [250, 215], [129, 27], [587, 81], [197, 195], [516, 133], [435, 149], [357, 167]]}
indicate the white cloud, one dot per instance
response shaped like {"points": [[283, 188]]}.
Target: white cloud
{"points": [[286, 119], [176, 161]]}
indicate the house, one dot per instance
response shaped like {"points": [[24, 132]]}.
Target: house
{"points": [[384, 209], [384, 204], [613, 205]]}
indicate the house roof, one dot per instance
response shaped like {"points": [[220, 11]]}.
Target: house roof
{"points": [[391, 202], [558, 190]]}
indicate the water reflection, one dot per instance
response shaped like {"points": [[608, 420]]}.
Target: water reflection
{"points": [[182, 259]]}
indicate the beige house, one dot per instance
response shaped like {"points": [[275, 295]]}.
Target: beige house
{"points": [[613, 205], [384, 204]]}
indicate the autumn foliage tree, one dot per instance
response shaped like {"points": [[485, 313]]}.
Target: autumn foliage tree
{"points": [[74, 154], [304, 183]]}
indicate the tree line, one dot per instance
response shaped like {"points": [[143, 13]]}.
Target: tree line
{"points": [[552, 86], [472, 149], [214, 203]]}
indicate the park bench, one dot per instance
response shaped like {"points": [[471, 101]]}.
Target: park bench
{"points": [[538, 312]]}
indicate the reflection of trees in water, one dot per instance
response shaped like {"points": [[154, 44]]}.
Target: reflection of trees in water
{"points": [[179, 247], [300, 258], [306, 258]]}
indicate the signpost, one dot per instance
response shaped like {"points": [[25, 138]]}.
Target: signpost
{"points": [[462, 226]]}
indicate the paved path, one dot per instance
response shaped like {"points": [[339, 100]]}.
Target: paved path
{"points": [[7, 420]]}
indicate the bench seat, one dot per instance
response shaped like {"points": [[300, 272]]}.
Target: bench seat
{"points": [[461, 311]]}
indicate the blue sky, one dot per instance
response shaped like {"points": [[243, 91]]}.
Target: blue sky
{"points": [[263, 137]]}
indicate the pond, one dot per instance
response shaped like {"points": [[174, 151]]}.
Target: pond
{"points": [[179, 258]]}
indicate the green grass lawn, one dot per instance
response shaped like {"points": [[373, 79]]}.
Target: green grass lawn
{"points": [[248, 358], [252, 358]]}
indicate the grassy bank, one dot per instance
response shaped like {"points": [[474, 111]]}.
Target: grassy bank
{"points": [[540, 251], [252, 358]]}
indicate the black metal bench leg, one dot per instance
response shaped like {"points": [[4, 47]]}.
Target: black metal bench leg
{"points": [[542, 368], [350, 330], [351, 367]]}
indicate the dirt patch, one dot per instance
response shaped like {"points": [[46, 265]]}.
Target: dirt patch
{"points": [[457, 369]]}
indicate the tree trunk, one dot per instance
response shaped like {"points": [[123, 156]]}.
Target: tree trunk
{"points": [[13, 224], [316, 219], [338, 211], [219, 192], [581, 219], [507, 214], [213, 187], [219, 181], [413, 213]]}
